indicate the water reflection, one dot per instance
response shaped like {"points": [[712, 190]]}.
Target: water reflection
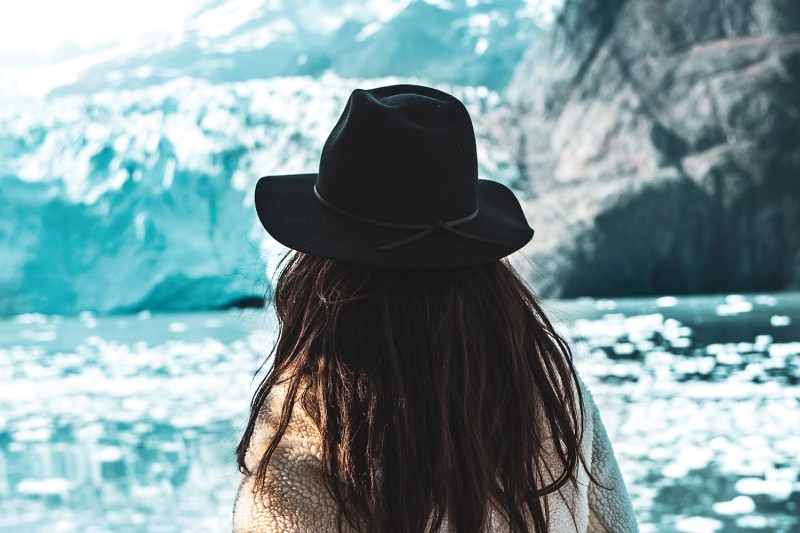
{"points": [[124, 431], [129, 423], [704, 417]]}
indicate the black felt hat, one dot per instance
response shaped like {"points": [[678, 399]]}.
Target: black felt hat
{"points": [[398, 187]]}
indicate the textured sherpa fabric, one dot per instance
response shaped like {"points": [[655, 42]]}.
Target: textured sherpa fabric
{"points": [[295, 499]]}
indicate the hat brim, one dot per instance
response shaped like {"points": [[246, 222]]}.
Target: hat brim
{"points": [[292, 214]]}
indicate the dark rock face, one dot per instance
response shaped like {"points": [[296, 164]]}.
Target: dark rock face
{"points": [[661, 141]]}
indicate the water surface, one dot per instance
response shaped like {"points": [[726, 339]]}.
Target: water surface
{"points": [[129, 423]]}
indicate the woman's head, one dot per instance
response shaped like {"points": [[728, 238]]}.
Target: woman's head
{"points": [[437, 392], [397, 185]]}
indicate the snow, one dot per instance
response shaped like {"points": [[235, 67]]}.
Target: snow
{"points": [[150, 191], [226, 17], [256, 38]]}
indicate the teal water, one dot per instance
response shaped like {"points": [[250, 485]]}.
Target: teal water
{"points": [[129, 423]]}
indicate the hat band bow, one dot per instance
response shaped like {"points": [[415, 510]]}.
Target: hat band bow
{"points": [[425, 229]]}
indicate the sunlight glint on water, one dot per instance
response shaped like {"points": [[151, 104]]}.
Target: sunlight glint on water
{"points": [[129, 423]]}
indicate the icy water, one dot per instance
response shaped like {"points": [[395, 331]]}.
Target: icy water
{"points": [[129, 423]]}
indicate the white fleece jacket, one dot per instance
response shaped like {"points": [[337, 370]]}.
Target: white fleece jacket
{"points": [[295, 499]]}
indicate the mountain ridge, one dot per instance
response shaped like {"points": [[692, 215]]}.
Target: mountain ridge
{"points": [[475, 43]]}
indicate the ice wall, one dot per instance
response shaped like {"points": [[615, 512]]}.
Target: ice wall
{"points": [[141, 199]]}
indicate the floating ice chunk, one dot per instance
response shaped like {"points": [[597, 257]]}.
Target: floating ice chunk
{"points": [[734, 307], [694, 457], [144, 315], [744, 347], [778, 321], [762, 343], [666, 301], [44, 487], [765, 299], [177, 327], [644, 322], [698, 365], [713, 349], [645, 346], [605, 304], [675, 471], [159, 413], [729, 358], [479, 24], [30, 318], [753, 521], [624, 348], [599, 332], [481, 46], [623, 371], [659, 453], [719, 444], [783, 350], [738, 505], [34, 422], [698, 524], [789, 445], [681, 342], [88, 319], [777, 489], [110, 454]]}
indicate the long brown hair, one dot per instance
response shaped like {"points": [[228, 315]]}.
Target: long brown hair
{"points": [[439, 393]]}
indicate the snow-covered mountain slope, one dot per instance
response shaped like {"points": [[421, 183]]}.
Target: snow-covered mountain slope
{"points": [[141, 199], [464, 42]]}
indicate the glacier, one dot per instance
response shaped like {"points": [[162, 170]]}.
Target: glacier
{"points": [[140, 199], [460, 42]]}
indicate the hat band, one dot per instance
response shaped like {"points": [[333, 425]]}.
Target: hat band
{"points": [[426, 229]]}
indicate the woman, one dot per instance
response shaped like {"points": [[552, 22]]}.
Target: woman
{"points": [[416, 386]]}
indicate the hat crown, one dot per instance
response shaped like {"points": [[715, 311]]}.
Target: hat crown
{"points": [[402, 154]]}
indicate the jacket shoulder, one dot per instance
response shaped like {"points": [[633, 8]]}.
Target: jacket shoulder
{"points": [[610, 509], [294, 498]]}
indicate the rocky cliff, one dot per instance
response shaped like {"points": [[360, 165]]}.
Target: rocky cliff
{"points": [[661, 144]]}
